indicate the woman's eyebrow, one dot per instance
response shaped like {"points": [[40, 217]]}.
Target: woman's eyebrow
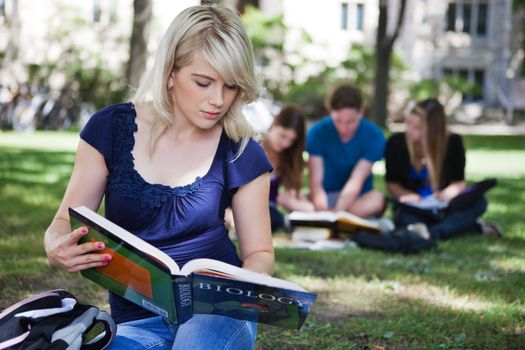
{"points": [[203, 76]]}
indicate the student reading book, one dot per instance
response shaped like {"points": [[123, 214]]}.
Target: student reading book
{"points": [[428, 160], [167, 164], [148, 277], [338, 222]]}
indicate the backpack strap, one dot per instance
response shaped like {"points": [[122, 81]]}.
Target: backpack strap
{"points": [[13, 330], [53, 320], [74, 333]]}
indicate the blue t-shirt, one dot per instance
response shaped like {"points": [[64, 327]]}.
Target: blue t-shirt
{"points": [[339, 159], [186, 222]]}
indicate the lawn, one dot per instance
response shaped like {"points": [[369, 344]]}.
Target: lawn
{"points": [[467, 294]]}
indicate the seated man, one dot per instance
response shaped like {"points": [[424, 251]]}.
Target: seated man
{"points": [[343, 147]]}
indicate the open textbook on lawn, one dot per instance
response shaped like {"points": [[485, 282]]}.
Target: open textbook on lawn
{"points": [[336, 222], [434, 208], [148, 277]]}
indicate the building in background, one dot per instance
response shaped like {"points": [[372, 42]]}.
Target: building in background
{"points": [[479, 40], [475, 39]]}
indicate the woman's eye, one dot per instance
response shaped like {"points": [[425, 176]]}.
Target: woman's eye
{"points": [[202, 84], [231, 87]]}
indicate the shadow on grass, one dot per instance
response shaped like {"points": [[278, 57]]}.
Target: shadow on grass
{"points": [[401, 323], [475, 266], [32, 183], [491, 271]]}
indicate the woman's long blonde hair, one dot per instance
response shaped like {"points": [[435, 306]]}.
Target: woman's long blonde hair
{"points": [[217, 33], [435, 140]]}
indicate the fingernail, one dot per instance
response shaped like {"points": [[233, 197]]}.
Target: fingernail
{"points": [[107, 257], [84, 230], [100, 245]]}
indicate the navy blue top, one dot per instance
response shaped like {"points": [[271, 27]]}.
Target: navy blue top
{"points": [[186, 222]]}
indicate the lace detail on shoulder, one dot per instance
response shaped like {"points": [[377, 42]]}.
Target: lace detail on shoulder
{"points": [[125, 178]]}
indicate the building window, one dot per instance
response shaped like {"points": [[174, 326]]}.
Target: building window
{"points": [[475, 78], [468, 16], [113, 11], [344, 16], [451, 17], [467, 13], [97, 11], [359, 16], [483, 14], [479, 81], [354, 13]]}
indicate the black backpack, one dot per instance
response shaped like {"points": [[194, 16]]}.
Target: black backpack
{"points": [[53, 320], [397, 241]]}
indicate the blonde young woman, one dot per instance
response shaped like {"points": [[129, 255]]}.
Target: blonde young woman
{"points": [[167, 165], [428, 160]]}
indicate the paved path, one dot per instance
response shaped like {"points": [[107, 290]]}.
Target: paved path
{"points": [[483, 129]]}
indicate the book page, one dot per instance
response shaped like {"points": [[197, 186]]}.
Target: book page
{"points": [[429, 202], [238, 273], [128, 237], [312, 216], [357, 220]]}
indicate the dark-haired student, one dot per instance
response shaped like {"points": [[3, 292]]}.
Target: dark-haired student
{"points": [[342, 149], [428, 160], [284, 143], [284, 146]]}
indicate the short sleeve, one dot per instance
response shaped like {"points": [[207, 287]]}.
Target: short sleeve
{"points": [[248, 166], [456, 153], [394, 158], [375, 148], [314, 144], [98, 132]]}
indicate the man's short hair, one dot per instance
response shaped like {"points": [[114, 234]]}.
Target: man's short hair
{"points": [[344, 96]]}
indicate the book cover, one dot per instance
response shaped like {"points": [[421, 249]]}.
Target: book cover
{"points": [[148, 277], [337, 222], [248, 301]]}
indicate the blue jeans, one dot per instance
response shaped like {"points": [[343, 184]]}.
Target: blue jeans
{"points": [[452, 224], [199, 332]]}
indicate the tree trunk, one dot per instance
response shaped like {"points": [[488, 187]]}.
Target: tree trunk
{"points": [[384, 48], [138, 46]]}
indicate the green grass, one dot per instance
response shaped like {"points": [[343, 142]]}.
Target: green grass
{"points": [[467, 294]]}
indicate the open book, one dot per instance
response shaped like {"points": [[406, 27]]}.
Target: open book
{"points": [[337, 222], [434, 208], [148, 277]]}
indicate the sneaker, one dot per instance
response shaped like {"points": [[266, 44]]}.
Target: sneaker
{"points": [[490, 228], [419, 229], [385, 224]]}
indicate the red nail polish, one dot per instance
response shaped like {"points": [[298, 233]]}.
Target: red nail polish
{"points": [[84, 230], [107, 258], [100, 245]]}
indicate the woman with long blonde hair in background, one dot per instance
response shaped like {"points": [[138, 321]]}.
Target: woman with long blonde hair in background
{"points": [[428, 161]]}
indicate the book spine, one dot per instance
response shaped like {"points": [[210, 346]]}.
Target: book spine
{"points": [[183, 298]]}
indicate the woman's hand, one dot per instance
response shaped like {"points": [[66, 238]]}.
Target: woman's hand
{"points": [[410, 198], [65, 252], [286, 197]]}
